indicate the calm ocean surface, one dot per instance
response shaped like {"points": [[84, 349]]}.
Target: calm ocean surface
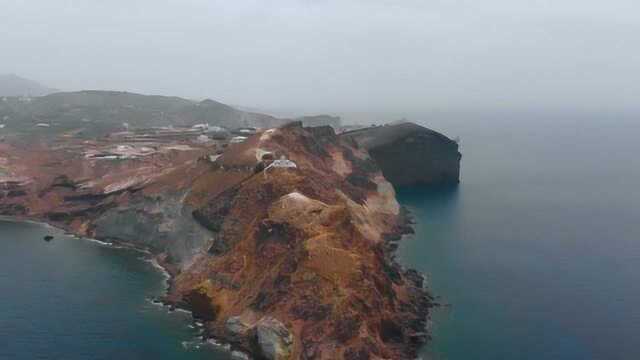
{"points": [[537, 252], [71, 299]]}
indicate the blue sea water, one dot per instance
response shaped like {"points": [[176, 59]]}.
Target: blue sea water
{"points": [[73, 299], [537, 251]]}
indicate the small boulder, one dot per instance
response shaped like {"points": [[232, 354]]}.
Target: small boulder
{"points": [[236, 326], [274, 339]]}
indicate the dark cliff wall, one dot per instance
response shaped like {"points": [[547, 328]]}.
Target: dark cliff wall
{"points": [[162, 223], [410, 154]]}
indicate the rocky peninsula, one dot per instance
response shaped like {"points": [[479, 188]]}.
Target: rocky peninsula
{"points": [[282, 243]]}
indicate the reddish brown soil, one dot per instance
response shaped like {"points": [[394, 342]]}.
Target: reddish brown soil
{"points": [[308, 246]]}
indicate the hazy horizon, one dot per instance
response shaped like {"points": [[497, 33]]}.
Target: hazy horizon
{"points": [[336, 56]]}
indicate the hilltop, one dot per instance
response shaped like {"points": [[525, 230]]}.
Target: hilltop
{"points": [[14, 85], [98, 113]]}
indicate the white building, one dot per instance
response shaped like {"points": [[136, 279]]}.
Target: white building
{"points": [[237, 139], [200, 126], [216, 129], [202, 139], [282, 163]]}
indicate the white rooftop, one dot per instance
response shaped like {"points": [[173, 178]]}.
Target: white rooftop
{"points": [[281, 163]]}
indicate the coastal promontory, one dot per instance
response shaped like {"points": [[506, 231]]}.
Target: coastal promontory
{"points": [[410, 154], [280, 240]]}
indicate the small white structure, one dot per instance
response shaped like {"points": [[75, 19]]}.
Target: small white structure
{"points": [[237, 139], [200, 126], [282, 163], [215, 129], [202, 139], [43, 125]]}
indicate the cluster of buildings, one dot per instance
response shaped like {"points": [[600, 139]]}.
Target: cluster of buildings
{"points": [[120, 152], [137, 143]]}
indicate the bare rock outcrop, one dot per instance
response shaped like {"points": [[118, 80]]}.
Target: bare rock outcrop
{"points": [[410, 154], [274, 339]]}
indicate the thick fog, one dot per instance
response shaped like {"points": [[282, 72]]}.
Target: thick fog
{"points": [[335, 55]]}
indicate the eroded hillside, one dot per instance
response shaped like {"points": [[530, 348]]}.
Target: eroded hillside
{"points": [[281, 244]]}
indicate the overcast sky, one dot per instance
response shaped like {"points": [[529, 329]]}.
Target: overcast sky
{"points": [[342, 55]]}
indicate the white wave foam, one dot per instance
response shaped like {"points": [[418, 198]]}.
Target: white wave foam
{"points": [[191, 345], [156, 265], [99, 242], [239, 355], [188, 345]]}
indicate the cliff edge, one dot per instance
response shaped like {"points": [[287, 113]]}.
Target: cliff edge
{"points": [[410, 154]]}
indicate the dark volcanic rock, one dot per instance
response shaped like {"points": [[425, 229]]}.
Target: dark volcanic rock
{"points": [[410, 154], [200, 305]]}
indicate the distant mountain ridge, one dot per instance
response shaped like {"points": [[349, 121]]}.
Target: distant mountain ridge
{"points": [[14, 85], [98, 112], [26, 105]]}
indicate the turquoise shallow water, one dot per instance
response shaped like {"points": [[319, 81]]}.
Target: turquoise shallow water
{"points": [[537, 251], [74, 299]]}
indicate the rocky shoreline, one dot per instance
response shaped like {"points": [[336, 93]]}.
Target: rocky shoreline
{"points": [[247, 344], [281, 262]]}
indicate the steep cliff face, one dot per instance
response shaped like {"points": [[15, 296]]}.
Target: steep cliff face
{"points": [[135, 201], [282, 245], [410, 154], [306, 248]]}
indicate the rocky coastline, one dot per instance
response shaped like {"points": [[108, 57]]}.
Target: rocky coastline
{"points": [[281, 262]]}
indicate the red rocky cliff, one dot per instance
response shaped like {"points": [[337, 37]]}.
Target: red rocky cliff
{"points": [[281, 245]]}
